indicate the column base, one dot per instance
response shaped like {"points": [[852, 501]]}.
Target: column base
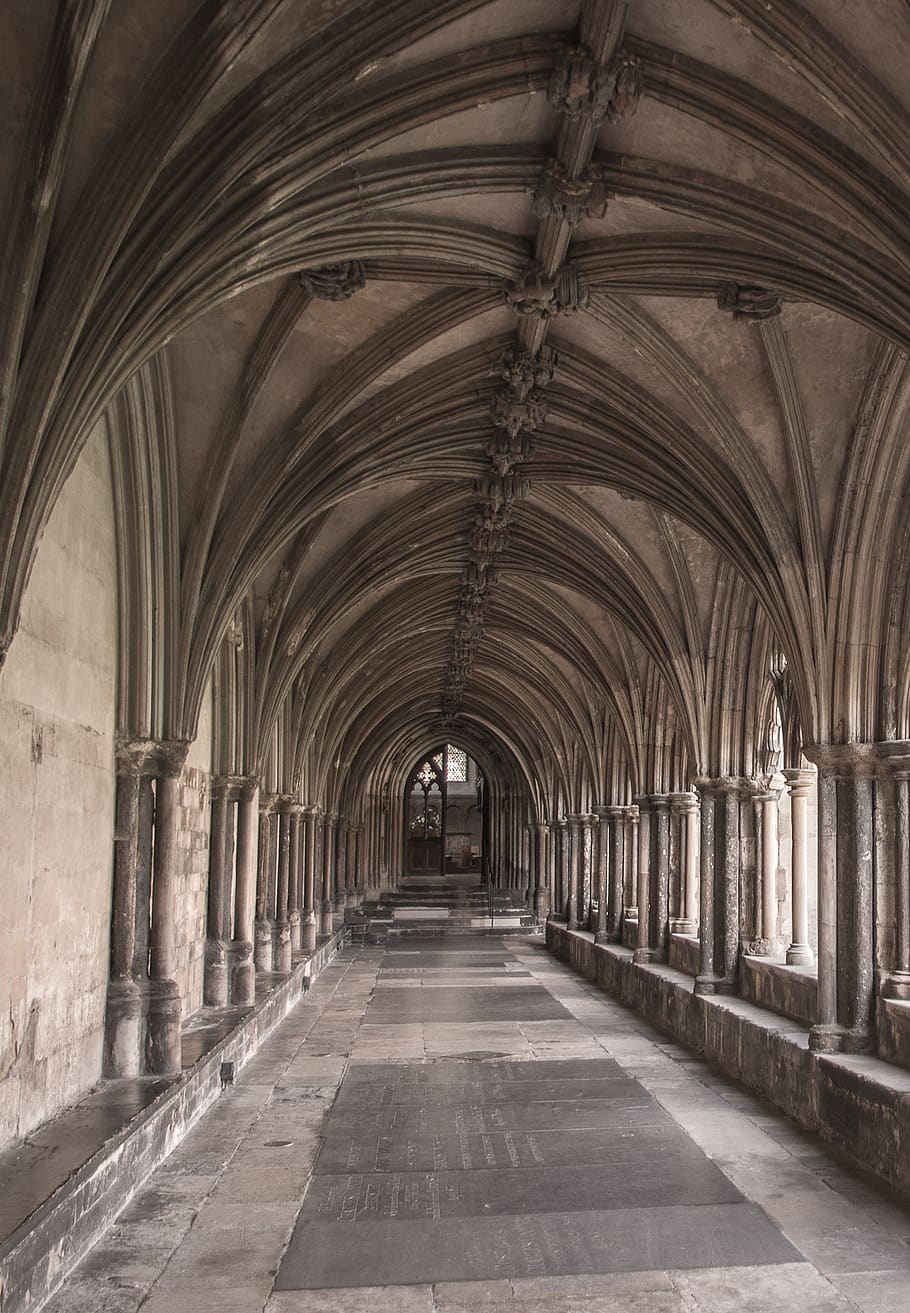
{"points": [[243, 973], [602, 937], [541, 905], [799, 955], [262, 945], [215, 980], [716, 985], [123, 1029], [162, 1036], [896, 985], [308, 932], [294, 920], [643, 956], [683, 925], [281, 947], [830, 1037]]}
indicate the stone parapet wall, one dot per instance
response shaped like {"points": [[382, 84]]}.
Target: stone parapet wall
{"points": [[859, 1103]]}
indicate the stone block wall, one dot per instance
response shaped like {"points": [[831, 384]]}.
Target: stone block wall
{"points": [[57, 720]]}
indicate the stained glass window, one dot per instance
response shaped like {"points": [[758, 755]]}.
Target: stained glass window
{"points": [[457, 768]]}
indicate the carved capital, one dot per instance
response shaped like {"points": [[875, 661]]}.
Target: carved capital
{"points": [[750, 304], [333, 282]]}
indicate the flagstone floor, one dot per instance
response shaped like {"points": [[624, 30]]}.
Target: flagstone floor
{"points": [[463, 1123]]}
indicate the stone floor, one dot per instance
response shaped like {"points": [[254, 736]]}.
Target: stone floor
{"points": [[465, 1124]]}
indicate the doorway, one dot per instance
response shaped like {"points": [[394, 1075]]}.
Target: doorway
{"points": [[444, 814]]}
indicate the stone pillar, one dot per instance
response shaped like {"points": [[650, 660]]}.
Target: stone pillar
{"points": [[309, 918], [123, 1020], [215, 989], [339, 895], [328, 870], [281, 930], [565, 894], [573, 882], [686, 808], [631, 826], [660, 876], [542, 871], [706, 980], [243, 971], [845, 897], [643, 950], [800, 783], [163, 1046], [766, 860], [263, 938], [896, 982], [295, 882], [616, 886], [601, 932]]}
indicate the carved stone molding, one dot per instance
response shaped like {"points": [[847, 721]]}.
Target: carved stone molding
{"points": [[333, 282], [750, 304]]}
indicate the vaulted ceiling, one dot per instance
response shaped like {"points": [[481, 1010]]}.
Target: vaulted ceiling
{"points": [[497, 367]]}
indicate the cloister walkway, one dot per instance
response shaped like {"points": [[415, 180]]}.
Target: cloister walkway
{"points": [[459, 1123]]}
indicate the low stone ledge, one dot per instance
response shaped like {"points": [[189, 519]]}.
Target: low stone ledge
{"points": [[790, 991], [859, 1103], [684, 953], [894, 1031], [40, 1253]]}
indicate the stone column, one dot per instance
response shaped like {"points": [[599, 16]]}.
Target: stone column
{"points": [[263, 939], [309, 919], [660, 876], [706, 980], [766, 860], [243, 971], [541, 882], [565, 892], [340, 893], [602, 932], [281, 931], [163, 1046], [800, 783], [643, 951], [573, 882], [726, 890], [328, 870], [845, 897], [686, 807], [123, 1020], [215, 984], [896, 982], [631, 827], [295, 882], [616, 886]]}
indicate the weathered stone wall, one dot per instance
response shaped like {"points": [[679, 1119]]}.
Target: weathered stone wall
{"points": [[193, 862], [57, 719]]}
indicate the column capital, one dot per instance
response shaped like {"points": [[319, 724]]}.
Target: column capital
{"points": [[137, 756], [267, 802], [684, 804], [845, 760], [799, 780], [330, 818], [542, 827], [895, 755], [632, 813], [285, 803]]}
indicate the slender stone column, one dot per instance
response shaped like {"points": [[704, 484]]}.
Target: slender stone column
{"points": [[309, 919], [766, 860], [643, 951], [573, 883], [706, 980], [123, 1020], [163, 1048], [726, 890], [263, 939], [686, 807], [565, 862], [328, 869], [586, 823], [215, 983], [339, 895], [660, 876], [243, 971], [295, 879], [616, 887], [896, 982], [541, 884], [602, 930], [349, 847], [845, 897], [281, 931], [800, 783], [631, 827]]}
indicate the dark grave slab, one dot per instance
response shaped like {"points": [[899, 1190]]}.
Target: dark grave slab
{"points": [[490, 1186], [494, 963], [663, 1148], [487, 1093], [429, 1249], [442, 1071], [463, 1004], [452, 945], [620, 1116]]}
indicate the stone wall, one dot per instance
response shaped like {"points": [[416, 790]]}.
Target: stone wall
{"points": [[195, 825], [57, 720]]}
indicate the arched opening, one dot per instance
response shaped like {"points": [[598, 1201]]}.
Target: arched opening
{"points": [[444, 814]]}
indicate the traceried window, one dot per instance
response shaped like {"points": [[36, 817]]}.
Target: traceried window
{"points": [[456, 765]]}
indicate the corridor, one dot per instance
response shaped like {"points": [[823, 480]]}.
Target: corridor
{"points": [[464, 1123]]}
